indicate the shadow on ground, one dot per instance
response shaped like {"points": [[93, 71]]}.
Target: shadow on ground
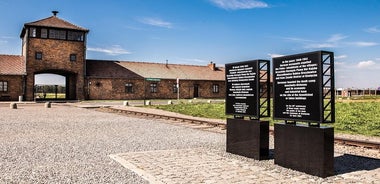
{"points": [[350, 163]]}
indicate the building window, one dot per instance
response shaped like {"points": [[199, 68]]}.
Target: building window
{"points": [[153, 87], [75, 36], [44, 33], [38, 56], [129, 88], [175, 88], [215, 88], [3, 86], [33, 32], [57, 34], [73, 57]]}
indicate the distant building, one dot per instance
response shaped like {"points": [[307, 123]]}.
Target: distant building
{"points": [[140, 80], [53, 45]]}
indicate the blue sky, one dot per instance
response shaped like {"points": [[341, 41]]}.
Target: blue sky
{"points": [[222, 31]]}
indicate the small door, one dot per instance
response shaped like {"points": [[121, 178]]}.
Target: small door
{"points": [[196, 90]]}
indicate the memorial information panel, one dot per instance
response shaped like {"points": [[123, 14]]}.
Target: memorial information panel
{"points": [[297, 87], [241, 89]]}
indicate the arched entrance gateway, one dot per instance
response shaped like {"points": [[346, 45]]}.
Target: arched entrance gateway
{"points": [[54, 46], [55, 85]]}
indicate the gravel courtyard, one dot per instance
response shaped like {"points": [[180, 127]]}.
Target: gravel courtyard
{"points": [[66, 144]]}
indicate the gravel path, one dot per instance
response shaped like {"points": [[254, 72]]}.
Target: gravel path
{"points": [[72, 145]]}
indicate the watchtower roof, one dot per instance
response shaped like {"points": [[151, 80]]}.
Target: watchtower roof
{"points": [[53, 22]]}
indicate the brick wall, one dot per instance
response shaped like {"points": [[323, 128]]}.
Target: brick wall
{"points": [[114, 89], [56, 59], [14, 87]]}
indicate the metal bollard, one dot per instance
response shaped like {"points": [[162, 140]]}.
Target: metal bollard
{"points": [[47, 105], [126, 103], [13, 105]]}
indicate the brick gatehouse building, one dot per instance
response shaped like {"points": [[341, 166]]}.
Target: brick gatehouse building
{"points": [[55, 46]]}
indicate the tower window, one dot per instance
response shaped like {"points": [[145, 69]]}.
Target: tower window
{"points": [[57, 34], [44, 33], [38, 55], [33, 32], [75, 36], [73, 57]]}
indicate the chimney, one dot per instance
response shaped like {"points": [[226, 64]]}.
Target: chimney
{"points": [[55, 13], [211, 65]]}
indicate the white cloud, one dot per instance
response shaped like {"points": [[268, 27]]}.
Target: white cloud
{"points": [[133, 28], [336, 38], [156, 22], [113, 50], [295, 39], [8, 37], [338, 63], [366, 64], [275, 55], [180, 60], [4, 39], [336, 41], [332, 42], [320, 45], [363, 44], [375, 29], [239, 4], [197, 60], [340, 57]]}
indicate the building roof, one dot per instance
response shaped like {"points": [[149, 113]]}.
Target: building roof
{"points": [[127, 69], [12, 65], [55, 22]]}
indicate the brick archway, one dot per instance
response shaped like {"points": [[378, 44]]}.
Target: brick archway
{"points": [[71, 82]]}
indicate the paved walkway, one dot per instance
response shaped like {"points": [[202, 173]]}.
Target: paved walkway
{"points": [[210, 166], [191, 166], [213, 166]]}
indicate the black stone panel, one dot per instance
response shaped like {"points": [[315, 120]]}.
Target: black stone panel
{"points": [[305, 149], [249, 138]]}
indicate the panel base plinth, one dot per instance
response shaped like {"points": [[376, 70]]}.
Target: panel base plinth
{"points": [[249, 138], [305, 149]]}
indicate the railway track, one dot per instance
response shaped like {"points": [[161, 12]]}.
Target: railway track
{"points": [[337, 140], [359, 143]]}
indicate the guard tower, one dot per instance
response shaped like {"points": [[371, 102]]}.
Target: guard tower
{"points": [[53, 45]]}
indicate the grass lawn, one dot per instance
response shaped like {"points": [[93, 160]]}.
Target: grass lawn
{"points": [[51, 95], [358, 118], [362, 117]]}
